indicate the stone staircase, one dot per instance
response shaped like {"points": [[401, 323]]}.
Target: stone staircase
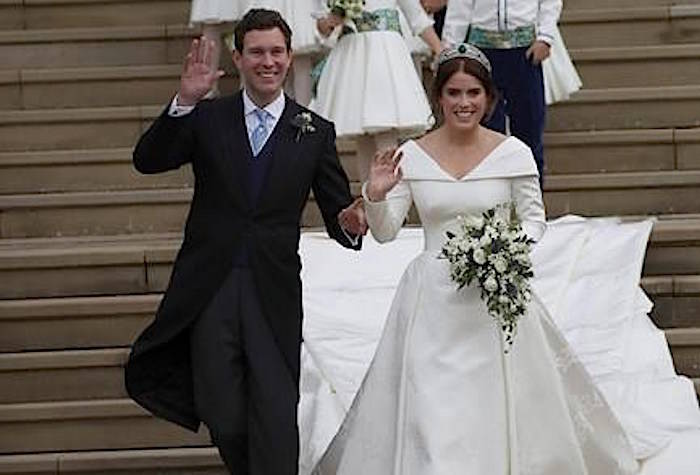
{"points": [[87, 244]]}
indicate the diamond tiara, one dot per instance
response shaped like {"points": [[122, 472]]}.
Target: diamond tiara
{"points": [[464, 50]]}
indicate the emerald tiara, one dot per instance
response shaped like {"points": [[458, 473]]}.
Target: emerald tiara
{"points": [[464, 50]]}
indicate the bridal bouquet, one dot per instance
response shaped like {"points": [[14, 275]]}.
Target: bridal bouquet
{"points": [[494, 250]]}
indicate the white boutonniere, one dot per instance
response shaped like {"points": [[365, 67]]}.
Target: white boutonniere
{"points": [[303, 122]]}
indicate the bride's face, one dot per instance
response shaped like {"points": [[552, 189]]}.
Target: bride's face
{"points": [[463, 101]]}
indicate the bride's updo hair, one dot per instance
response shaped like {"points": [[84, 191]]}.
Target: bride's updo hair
{"points": [[469, 66]]}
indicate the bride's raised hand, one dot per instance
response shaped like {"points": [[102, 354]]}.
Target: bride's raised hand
{"points": [[384, 173]]}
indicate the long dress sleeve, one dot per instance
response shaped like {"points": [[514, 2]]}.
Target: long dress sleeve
{"points": [[529, 205], [386, 217], [416, 15]]}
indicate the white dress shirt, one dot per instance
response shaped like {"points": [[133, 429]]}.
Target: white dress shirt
{"points": [[274, 110], [499, 15]]}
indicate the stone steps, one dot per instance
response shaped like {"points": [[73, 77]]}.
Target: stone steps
{"points": [[672, 248], [622, 151], [631, 26], [105, 127], [567, 153], [600, 68], [159, 43], [101, 424], [107, 213], [91, 213], [73, 323], [628, 193], [56, 88], [164, 210], [88, 375], [85, 267], [39, 14], [638, 66], [76, 322], [80, 170], [71, 306], [172, 461], [94, 46], [676, 300], [114, 127], [627, 108], [108, 266], [62, 375], [685, 348]]}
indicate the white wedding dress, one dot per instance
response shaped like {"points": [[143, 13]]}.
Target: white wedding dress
{"points": [[440, 396]]}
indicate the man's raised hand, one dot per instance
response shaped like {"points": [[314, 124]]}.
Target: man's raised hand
{"points": [[198, 73]]}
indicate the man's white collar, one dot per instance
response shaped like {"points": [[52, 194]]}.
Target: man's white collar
{"points": [[274, 108]]}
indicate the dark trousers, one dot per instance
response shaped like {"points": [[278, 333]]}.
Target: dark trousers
{"points": [[521, 86], [243, 390]]}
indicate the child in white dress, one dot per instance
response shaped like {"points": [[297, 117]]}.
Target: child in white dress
{"points": [[369, 86]]}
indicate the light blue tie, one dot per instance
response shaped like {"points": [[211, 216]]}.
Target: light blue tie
{"points": [[257, 138]]}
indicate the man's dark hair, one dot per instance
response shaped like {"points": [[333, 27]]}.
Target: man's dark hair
{"points": [[261, 19]]}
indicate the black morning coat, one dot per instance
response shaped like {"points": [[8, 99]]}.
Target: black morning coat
{"points": [[213, 138]]}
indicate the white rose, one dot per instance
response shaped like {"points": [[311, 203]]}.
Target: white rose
{"points": [[479, 256], [490, 284], [485, 240], [500, 265], [474, 221]]}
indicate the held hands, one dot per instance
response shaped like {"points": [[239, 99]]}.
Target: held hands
{"points": [[198, 73], [352, 218], [538, 52], [384, 174]]}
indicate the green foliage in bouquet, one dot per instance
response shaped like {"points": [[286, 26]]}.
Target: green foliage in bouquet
{"points": [[493, 250]]}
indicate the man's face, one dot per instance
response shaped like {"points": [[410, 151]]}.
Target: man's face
{"points": [[263, 63]]}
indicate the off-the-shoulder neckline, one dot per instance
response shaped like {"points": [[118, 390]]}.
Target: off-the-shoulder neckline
{"points": [[469, 172]]}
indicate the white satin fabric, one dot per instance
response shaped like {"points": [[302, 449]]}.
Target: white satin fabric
{"points": [[369, 83], [440, 397]]}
